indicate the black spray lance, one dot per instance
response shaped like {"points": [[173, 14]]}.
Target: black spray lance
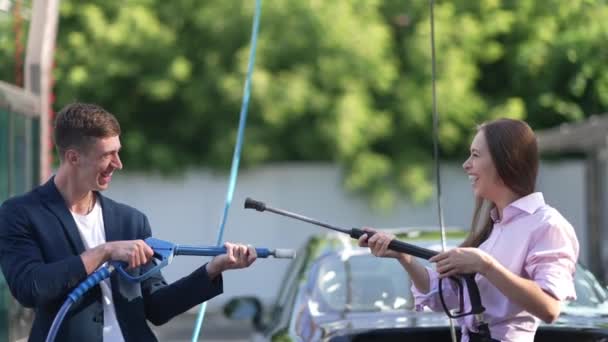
{"points": [[399, 246]]}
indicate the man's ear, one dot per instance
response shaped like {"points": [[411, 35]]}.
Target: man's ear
{"points": [[72, 156]]}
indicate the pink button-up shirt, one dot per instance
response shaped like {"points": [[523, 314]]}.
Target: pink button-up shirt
{"points": [[532, 240]]}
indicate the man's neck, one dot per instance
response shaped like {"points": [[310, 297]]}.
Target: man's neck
{"points": [[78, 199]]}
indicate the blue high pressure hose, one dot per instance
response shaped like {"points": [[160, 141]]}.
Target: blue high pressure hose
{"points": [[236, 157], [92, 280], [164, 252]]}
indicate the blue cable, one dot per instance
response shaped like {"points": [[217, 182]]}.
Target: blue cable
{"points": [[236, 157]]}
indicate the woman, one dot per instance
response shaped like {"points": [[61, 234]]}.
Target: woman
{"points": [[523, 251]]}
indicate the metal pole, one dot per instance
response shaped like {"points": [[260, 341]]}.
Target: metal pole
{"points": [[595, 167], [38, 67]]}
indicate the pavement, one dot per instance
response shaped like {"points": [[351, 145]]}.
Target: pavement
{"points": [[215, 328]]}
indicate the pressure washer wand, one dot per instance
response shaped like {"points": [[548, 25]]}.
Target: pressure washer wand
{"points": [[395, 245], [164, 251], [213, 251], [355, 233]]}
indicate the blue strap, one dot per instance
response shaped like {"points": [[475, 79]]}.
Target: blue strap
{"points": [[236, 157]]}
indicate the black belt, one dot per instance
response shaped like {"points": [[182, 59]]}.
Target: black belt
{"points": [[477, 337]]}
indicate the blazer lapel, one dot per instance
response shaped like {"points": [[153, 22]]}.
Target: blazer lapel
{"points": [[109, 219], [56, 204]]}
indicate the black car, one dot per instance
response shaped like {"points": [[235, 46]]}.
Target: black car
{"points": [[336, 291]]}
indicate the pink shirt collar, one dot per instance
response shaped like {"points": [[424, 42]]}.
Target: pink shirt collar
{"points": [[528, 204]]}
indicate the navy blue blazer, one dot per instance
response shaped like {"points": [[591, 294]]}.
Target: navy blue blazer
{"points": [[40, 251]]}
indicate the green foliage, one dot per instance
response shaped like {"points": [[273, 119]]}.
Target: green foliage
{"points": [[14, 25], [345, 80], [7, 52]]}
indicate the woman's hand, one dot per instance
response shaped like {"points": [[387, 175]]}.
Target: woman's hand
{"points": [[462, 260], [378, 244]]}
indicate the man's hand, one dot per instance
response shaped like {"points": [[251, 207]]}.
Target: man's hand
{"points": [[237, 256], [133, 252]]}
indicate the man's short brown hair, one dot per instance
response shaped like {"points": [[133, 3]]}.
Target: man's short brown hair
{"points": [[77, 125]]}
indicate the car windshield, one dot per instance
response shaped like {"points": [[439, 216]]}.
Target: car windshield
{"points": [[362, 283]]}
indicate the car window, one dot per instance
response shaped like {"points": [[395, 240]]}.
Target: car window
{"points": [[589, 292], [362, 283], [281, 309], [279, 318]]}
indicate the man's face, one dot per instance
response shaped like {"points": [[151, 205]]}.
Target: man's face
{"points": [[96, 165]]}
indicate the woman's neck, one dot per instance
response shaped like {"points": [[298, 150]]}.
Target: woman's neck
{"points": [[504, 199]]}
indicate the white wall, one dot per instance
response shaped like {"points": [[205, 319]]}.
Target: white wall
{"points": [[187, 210]]}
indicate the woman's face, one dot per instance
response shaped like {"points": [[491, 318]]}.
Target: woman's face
{"points": [[481, 170]]}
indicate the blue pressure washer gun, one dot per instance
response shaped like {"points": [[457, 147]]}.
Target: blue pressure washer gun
{"points": [[477, 308], [164, 251]]}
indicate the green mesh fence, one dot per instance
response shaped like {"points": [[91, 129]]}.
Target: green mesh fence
{"points": [[19, 172]]}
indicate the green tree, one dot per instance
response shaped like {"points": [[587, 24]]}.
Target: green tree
{"points": [[14, 25], [346, 81]]}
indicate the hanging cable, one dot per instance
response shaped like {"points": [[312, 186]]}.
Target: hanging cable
{"points": [[236, 157], [436, 144]]}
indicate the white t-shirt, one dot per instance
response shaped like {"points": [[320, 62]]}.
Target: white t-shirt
{"points": [[93, 234]]}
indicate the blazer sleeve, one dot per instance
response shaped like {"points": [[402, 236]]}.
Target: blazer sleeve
{"points": [[163, 302], [32, 281]]}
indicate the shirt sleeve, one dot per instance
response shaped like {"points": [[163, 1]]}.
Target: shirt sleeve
{"points": [[551, 259], [431, 299]]}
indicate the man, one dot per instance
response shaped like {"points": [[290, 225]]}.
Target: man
{"points": [[53, 237]]}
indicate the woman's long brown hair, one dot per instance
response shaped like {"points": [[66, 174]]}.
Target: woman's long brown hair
{"points": [[514, 151]]}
